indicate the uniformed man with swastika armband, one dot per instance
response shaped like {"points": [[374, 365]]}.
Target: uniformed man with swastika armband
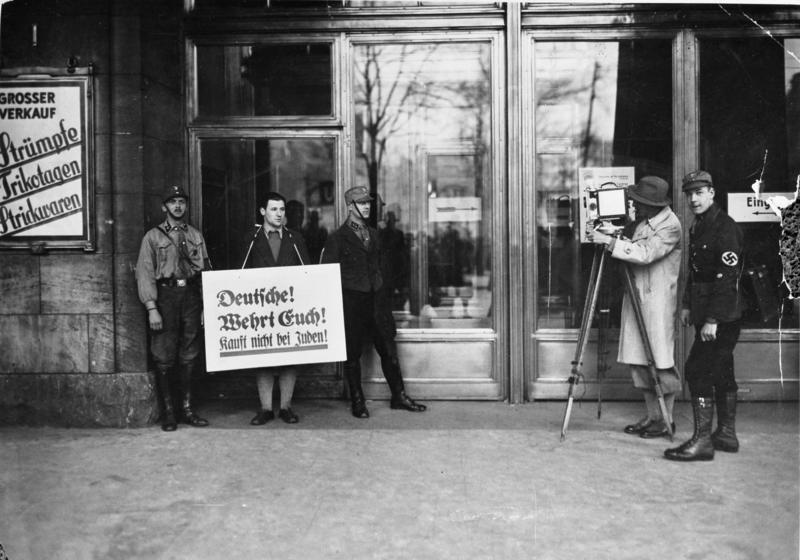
{"points": [[712, 303]]}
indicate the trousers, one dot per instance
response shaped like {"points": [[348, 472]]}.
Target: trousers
{"points": [[709, 367], [180, 335], [366, 321]]}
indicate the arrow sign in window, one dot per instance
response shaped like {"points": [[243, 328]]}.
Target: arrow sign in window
{"points": [[454, 209], [747, 207]]}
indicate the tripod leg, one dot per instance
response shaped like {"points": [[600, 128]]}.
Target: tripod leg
{"points": [[603, 322], [595, 277], [636, 303]]}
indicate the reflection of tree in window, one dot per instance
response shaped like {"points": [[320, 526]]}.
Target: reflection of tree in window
{"points": [[416, 102], [387, 91], [598, 104]]}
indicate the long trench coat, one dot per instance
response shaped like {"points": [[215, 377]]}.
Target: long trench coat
{"points": [[655, 256]]}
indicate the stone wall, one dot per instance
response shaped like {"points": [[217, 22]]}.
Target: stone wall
{"points": [[72, 330]]}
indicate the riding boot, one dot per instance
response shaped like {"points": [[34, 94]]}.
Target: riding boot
{"points": [[724, 437], [168, 423], [391, 371], [699, 447], [352, 373], [188, 416]]}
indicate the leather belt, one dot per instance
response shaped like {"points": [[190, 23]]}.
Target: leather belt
{"points": [[177, 282]]}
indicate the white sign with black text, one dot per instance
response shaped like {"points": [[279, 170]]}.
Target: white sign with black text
{"points": [[747, 207], [44, 150], [264, 317]]}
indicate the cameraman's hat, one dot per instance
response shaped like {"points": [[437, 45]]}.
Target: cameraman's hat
{"points": [[357, 194], [650, 190], [697, 179], [174, 191]]}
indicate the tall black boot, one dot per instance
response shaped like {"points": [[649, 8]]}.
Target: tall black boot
{"points": [[352, 373], [391, 371], [724, 437], [187, 416], [699, 447], [168, 423]]}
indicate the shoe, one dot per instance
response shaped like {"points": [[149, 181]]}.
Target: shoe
{"points": [[639, 427], [656, 430], [193, 419], [404, 401], [288, 416], [359, 409], [262, 417], [169, 424]]}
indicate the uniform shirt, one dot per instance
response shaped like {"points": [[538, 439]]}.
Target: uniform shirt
{"points": [[158, 257], [715, 267]]}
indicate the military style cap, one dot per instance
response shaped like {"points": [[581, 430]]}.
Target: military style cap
{"points": [[697, 179], [357, 194], [650, 190], [174, 191]]}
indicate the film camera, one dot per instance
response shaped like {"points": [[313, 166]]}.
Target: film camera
{"points": [[606, 209]]}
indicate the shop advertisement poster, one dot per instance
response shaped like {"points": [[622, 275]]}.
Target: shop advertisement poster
{"points": [[264, 317], [45, 179]]}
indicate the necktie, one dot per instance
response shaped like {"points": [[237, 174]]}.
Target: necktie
{"points": [[274, 240], [184, 261]]}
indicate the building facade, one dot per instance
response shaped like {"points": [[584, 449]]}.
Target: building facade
{"points": [[480, 127]]}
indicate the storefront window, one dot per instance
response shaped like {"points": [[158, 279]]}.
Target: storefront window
{"points": [[750, 129], [237, 174], [603, 114], [264, 80], [422, 145]]}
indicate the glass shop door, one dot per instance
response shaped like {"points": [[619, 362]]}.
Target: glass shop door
{"points": [[748, 128], [602, 111]]}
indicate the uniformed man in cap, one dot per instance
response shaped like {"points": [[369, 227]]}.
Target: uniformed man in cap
{"points": [[712, 303], [367, 313], [651, 244], [171, 257]]}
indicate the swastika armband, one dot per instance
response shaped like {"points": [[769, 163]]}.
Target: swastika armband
{"points": [[729, 258]]}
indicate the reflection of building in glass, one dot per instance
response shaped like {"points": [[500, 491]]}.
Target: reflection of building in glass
{"points": [[422, 118], [599, 104]]}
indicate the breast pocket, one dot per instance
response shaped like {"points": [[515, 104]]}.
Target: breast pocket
{"points": [[349, 256], [164, 249]]}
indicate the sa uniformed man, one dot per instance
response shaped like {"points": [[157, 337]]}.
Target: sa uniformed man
{"points": [[712, 303], [171, 257], [367, 311]]}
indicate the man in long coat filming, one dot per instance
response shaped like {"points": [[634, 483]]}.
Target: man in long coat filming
{"points": [[652, 247]]}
